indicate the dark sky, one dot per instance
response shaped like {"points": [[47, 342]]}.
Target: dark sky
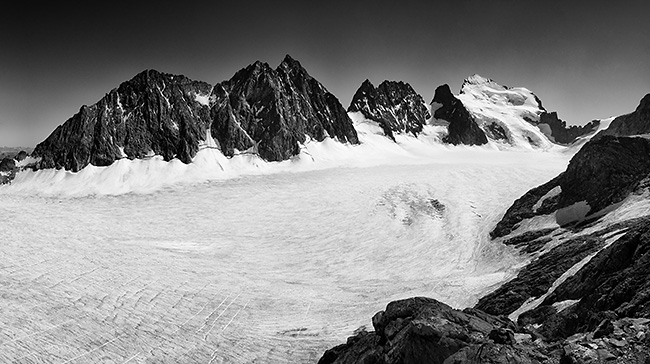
{"points": [[584, 59]]}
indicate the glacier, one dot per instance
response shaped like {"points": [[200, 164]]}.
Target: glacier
{"points": [[239, 260]]}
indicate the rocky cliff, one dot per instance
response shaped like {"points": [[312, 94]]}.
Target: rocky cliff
{"points": [[395, 106]]}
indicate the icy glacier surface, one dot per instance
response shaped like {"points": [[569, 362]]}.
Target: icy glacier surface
{"points": [[259, 268]]}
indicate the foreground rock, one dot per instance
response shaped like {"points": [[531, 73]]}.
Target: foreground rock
{"points": [[265, 111], [395, 106], [423, 330]]}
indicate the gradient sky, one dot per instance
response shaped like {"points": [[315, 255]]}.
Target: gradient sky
{"points": [[586, 60]]}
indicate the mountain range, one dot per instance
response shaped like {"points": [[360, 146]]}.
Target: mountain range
{"points": [[273, 112]]}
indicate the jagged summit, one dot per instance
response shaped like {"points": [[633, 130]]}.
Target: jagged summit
{"points": [[291, 62], [394, 105]]}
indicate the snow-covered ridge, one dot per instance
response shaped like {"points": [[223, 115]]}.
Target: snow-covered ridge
{"points": [[506, 114], [154, 173]]}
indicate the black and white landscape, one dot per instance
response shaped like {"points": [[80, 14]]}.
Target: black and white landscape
{"points": [[314, 208]]}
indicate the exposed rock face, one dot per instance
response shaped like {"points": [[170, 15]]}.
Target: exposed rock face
{"points": [[462, 126], [635, 123], [537, 277], [272, 111], [558, 131], [613, 284], [602, 173], [153, 113], [265, 110], [395, 106]]}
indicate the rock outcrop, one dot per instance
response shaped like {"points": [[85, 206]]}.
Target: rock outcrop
{"points": [[272, 111], [462, 126], [634, 123], [612, 285], [269, 112], [600, 175], [423, 330], [395, 106]]}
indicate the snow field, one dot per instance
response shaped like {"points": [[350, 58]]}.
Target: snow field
{"points": [[275, 267]]}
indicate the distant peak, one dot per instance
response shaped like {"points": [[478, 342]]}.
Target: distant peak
{"points": [[367, 84], [478, 80]]}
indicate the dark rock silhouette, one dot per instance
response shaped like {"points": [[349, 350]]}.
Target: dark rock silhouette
{"points": [[462, 126]]}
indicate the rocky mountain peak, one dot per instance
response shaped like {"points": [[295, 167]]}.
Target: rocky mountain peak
{"points": [[394, 105], [290, 62], [271, 112]]}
